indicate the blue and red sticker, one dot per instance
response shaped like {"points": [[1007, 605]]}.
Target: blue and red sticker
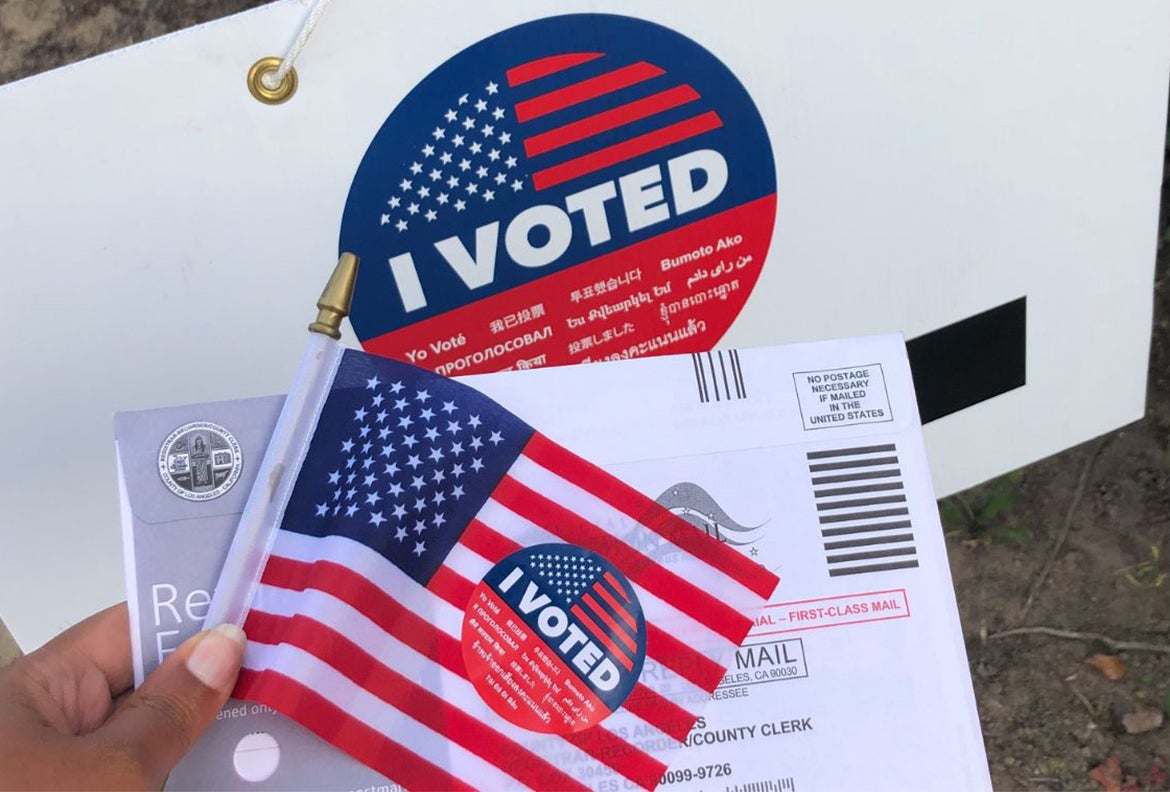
{"points": [[554, 638], [583, 187]]}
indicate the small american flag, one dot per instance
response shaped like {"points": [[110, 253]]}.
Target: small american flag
{"points": [[413, 490]]}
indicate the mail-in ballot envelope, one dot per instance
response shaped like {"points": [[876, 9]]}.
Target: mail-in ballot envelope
{"points": [[806, 458]]}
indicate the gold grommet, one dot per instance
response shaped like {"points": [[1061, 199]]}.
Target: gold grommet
{"points": [[256, 86]]}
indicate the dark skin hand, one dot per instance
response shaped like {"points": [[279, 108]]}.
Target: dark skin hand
{"points": [[66, 721]]}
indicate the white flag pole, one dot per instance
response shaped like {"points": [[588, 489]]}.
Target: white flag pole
{"points": [[278, 471]]}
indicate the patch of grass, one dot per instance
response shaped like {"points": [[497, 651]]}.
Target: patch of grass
{"points": [[985, 514]]}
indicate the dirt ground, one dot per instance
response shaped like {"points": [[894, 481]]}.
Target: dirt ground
{"points": [[1077, 545]]}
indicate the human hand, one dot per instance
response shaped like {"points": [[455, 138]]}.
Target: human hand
{"points": [[63, 726]]}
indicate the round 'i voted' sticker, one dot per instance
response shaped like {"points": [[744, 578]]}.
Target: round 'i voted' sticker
{"points": [[554, 638], [578, 188]]}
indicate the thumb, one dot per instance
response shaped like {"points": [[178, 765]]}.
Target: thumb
{"points": [[162, 719]]}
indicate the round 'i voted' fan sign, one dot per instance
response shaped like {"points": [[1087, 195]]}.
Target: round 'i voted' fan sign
{"points": [[583, 187]]}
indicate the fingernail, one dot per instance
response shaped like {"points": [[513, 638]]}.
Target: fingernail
{"points": [[216, 657]]}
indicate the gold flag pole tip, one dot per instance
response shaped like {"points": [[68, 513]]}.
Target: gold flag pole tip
{"points": [[335, 300]]}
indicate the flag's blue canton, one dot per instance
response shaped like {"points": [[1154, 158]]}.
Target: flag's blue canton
{"points": [[466, 157], [401, 461], [570, 576]]}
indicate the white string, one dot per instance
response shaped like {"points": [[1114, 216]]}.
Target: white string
{"points": [[272, 80]]}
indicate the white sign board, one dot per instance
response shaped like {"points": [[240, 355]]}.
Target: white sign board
{"points": [[686, 174]]}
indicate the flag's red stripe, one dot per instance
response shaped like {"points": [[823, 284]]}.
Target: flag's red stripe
{"points": [[626, 150], [364, 596], [614, 627], [490, 544], [452, 587], [600, 635], [613, 603], [332, 724], [655, 708], [557, 520], [609, 119], [431, 642], [407, 697], [542, 67], [636, 505], [641, 768], [585, 90], [682, 659], [618, 587]]}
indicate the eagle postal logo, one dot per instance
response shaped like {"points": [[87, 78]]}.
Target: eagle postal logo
{"points": [[583, 187], [554, 638]]}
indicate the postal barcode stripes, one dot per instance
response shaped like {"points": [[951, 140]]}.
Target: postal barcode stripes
{"points": [[862, 509], [784, 784], [718, 376]]}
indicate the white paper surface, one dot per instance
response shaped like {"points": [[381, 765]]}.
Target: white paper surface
{"points": [[851, 678]]}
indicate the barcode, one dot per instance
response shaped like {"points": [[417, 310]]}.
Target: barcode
{"points": [[718, 376], [770, 785], [862, 510]]}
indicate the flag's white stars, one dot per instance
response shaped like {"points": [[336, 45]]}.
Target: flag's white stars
{"points": [[450, 115], [400, 404], [517, 185], [510, 162], [400, 225], [457, 491], [337, 494], [463, 99], [472, 188], [438, 499], [476, 148], [410, 442], [464, 165], [417, 482], [457, 470], [492, 88], [336, 509], [420, 504], [445, 158], [387, 449], [395, 489], [399, 511], [349, 493], [360, 414], [394, 202], [457, 448], [500, 178], [494, 155], [322, 509], [385, 219], [400, 534], [480, 106], [412, 461], [476, 465], [474, 422], [427, 414], [438, 134], [391, 469], [481, 171], [419, 548], [432, 433], [488, 130], [435, 174], [369, 479], [438, 476], [395, 388], [335, 477], [377, 400], [460, 205], [383, 433], [347, 446], [367, 463], [428, 150], [436, 454], [351, 510], [405, 184], [364, 431], [416, 168], [469, 123], [376, 519], [442, 199], [454, 180], [431, 215], [438, 519], [350, 463], [498, 113], [476, 444], [422, 396], [505, 138], [457, 141], [489, 195], [424, 192], [373, 498], [453, 426], [449, 407], [405, 421], [413, 208]]}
